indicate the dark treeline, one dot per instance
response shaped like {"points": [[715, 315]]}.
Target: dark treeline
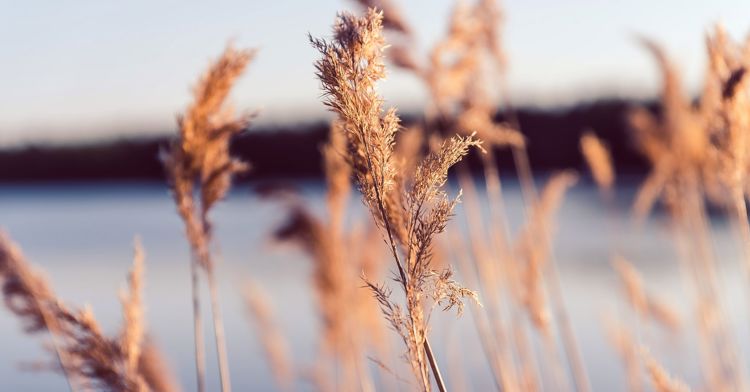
{"points": [[552, 136]]}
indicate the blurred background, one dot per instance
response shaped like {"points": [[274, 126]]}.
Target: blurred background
{"points": [[91, 90], [84, 70]]}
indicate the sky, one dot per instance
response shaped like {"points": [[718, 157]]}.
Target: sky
{"points": [[94, 69]]}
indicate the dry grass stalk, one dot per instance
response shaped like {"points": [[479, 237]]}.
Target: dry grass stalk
{"points": [[401, 52], [370, 255], [456, 58], [599, 161], [632, 283], [155, 370], [346, 313], [454, 71], [534, 248], [457, 80], [675, 143], [662, 380], [338, 177], [645, 306], [274, 343], [473, 40], [636, 356], [627, 347], [724, 104], [351, 65], [550, 200], [664, 313], [478, 115], [369, 252], [681, 146], [505, 344], [474, 33], [644, 303], [475, 111], [539, 280], [27, 294], [86, 355], [499, 277], [495, 337], [335, 282], [132, 309], [393, 20], [199, 160]]}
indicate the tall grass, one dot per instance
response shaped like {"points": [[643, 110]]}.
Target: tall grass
{"points": [[88, 358], [698, 151], [199, 162], [410, 212]]}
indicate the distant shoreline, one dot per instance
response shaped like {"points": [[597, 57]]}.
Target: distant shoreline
{"points": [[294, 151]]}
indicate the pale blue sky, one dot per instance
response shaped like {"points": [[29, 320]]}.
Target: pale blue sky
{"points": [[91, 68]]}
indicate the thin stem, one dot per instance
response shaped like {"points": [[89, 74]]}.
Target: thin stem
{"points": [[500, 233], [221, 347], [689, 272], [402, 272], [724, 342], [570, 343], [433, 364], [62, 357], [489, 340], [200, 356], [488, 281], [377, 181]]}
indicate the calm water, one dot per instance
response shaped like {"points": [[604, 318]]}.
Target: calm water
{"points": [[81, 235]]}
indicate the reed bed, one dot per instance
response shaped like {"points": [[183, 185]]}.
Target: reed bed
{"points": [[392, 269]]}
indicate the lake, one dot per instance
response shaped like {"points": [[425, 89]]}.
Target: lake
{"points": [[81, 235]]}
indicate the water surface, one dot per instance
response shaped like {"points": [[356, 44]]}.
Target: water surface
{"points": [[81, 236]]}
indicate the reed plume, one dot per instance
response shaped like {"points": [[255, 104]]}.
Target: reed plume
{"points": [[633, 354], [88, 357], [399, 32], [724, 105], [350, 66], [599, 161], [393, 19], [647, 307], [155, 370], [675, 143], [644, 303], [458, 73], [132, 309], [679, 145], [198, 161], [661, 379]]}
